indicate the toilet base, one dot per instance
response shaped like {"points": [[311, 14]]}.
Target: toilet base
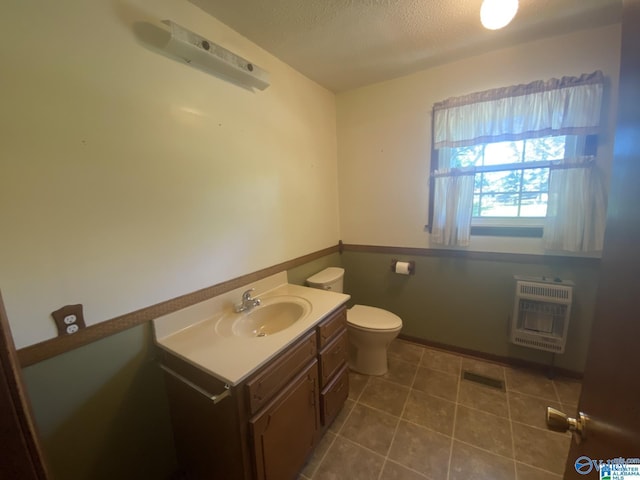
{"points": [[368, 361]]}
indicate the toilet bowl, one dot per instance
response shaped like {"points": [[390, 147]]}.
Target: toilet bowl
{"points": [[370, 330]]}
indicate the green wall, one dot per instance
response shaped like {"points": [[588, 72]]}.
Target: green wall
{"points": [[462, 302], [102, 412], [467, 303]]}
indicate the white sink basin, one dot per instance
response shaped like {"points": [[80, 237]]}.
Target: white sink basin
{"points": [[272, 316], [212, 337]]}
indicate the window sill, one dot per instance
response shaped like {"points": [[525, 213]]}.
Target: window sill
{"points": [[522, 232]]}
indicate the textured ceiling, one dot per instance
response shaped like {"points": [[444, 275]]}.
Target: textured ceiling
{"points": [[344, 44]]}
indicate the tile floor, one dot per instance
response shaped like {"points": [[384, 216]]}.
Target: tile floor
{"points": [[421, 421]]}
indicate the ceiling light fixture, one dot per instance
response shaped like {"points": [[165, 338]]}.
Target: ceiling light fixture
{"points": [[495, 14]]}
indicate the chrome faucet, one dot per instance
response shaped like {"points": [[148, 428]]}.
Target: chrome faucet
{"points": [[247, 302]]}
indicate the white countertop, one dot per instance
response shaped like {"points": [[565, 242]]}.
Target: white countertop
{"points": [[232, 359]]}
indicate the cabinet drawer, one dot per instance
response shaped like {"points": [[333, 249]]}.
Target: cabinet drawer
{"points": [[332, 398], [331, 326], [333, 357], [270, 381]]}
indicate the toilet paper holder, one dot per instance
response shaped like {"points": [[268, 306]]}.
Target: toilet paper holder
{"points": [[410, 267]]}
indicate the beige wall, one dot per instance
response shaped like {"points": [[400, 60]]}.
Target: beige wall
{"points": [[384, 133], [129, 178]]}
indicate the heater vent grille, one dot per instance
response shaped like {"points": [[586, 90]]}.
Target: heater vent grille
{"points": [[544, 291], [539, 344], [541, 314]]}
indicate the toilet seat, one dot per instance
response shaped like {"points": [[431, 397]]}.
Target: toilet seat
{"points": [[373, 319]]}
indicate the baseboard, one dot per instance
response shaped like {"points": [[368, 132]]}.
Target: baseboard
{"points": [[506, 361]]}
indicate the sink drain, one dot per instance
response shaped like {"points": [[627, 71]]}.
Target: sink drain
{"points": [[261, 334]]}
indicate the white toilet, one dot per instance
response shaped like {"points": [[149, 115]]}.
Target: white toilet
{"points": [[370, 330]]}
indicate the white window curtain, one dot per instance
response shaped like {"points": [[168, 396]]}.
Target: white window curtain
{"points": [[566, 106], [576, 209], [454, 196]]}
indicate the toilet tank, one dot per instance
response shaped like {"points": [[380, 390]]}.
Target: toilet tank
{"points": [[331, 278]]}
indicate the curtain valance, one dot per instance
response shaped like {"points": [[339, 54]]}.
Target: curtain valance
{"points": [[566, 106]]}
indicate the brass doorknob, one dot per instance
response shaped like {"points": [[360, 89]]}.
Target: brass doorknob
{"points": [[559, 421]]}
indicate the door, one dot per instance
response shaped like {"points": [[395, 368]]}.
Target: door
{"points": [[611, 387], [21, 454]]}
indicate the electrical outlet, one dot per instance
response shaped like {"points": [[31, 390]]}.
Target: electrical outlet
{"points": [[72, 328], [69, 319]]}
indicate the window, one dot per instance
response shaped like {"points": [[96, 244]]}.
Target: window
{"points": [[511, 181], [516, 159]]}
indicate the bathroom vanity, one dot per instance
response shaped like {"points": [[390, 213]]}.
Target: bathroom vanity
{"points": [[254, 407]]}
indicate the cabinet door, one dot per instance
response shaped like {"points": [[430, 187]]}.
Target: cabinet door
{"points": [[286, 431]]}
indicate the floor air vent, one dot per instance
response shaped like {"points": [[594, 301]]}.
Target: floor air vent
{"points": [[483, 380]]}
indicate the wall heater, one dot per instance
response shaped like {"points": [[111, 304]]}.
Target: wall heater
{"points": [[541, 312]]}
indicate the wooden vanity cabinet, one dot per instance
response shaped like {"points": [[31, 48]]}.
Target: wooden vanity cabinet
{"points": [[269, 424]]}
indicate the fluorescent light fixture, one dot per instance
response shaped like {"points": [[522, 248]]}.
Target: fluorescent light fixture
{"points": [[212, 58], [495, 14]]}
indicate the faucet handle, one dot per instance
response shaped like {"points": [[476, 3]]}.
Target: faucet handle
{"points": [[247, 302]]}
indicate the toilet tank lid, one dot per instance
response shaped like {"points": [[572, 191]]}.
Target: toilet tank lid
{"points": [[373, 318], [328, 275]]}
